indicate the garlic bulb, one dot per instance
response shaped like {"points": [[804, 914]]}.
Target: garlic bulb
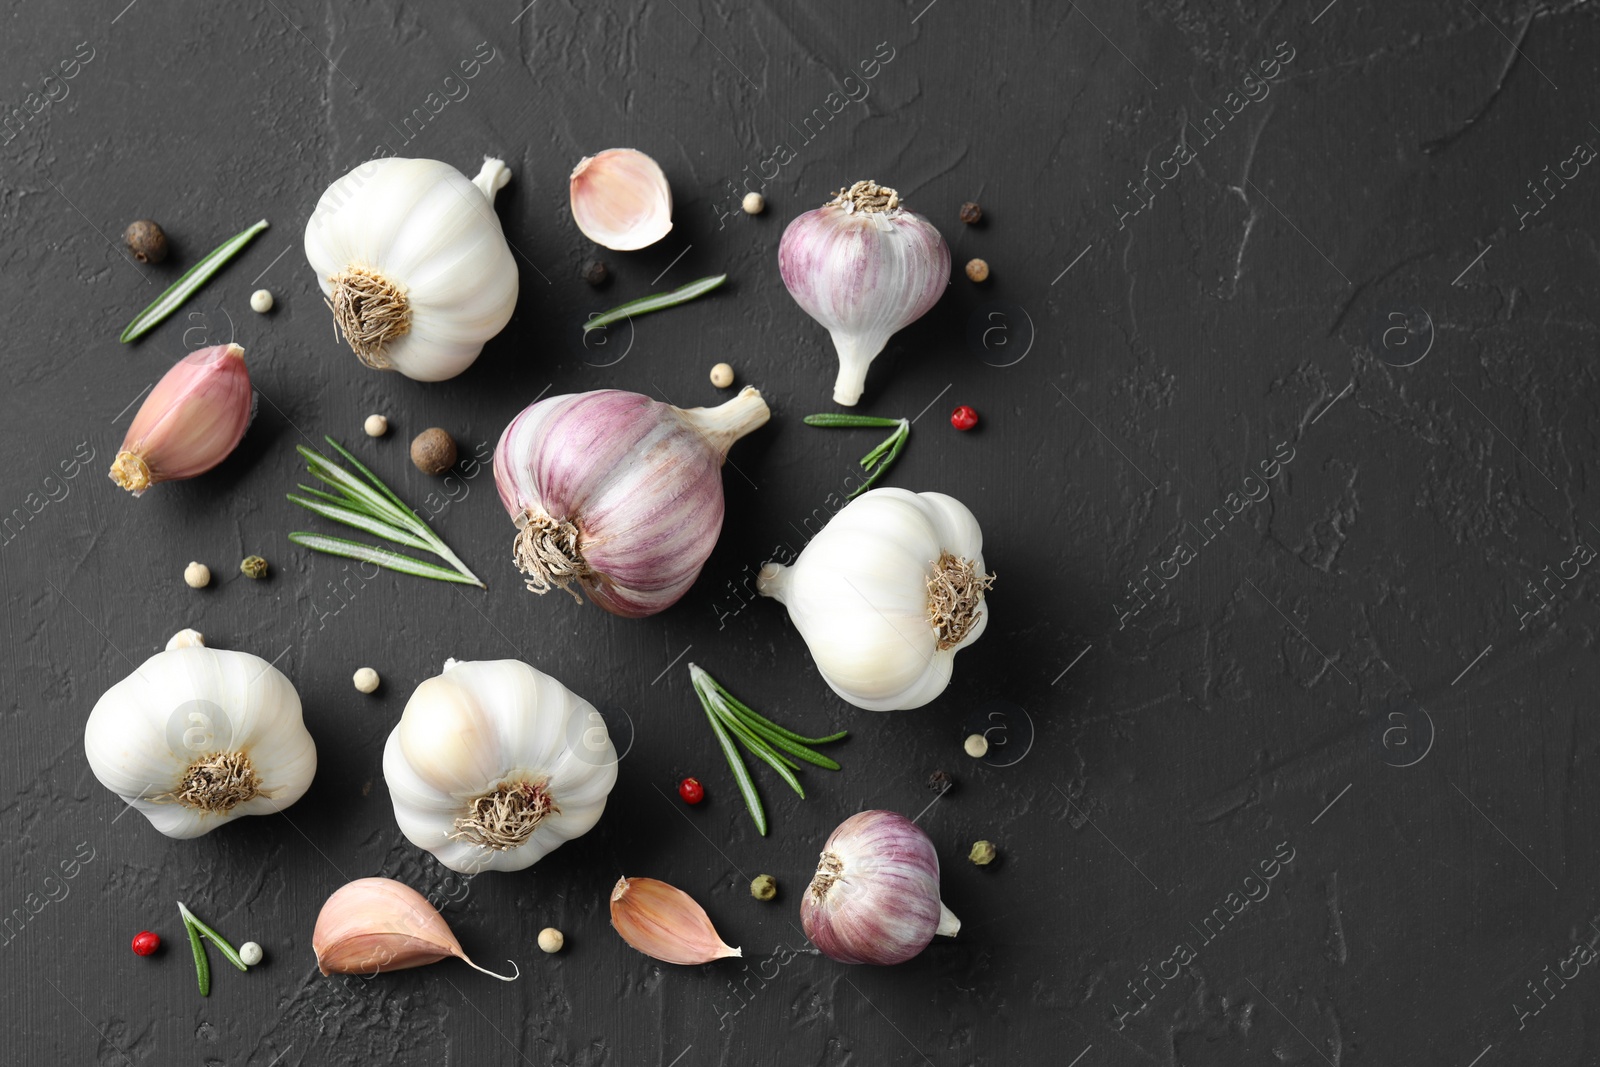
{"points": [[886, 595], [864, 267], [875, 896], [494, 764], [412, 260], [196, 737], [191, 421], [620, 199], [617, 493]]}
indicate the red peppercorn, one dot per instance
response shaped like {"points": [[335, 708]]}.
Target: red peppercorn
{"points": [[963, 418], [145, 943], [691, 791]]}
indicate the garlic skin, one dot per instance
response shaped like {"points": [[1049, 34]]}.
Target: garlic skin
{"points": [[412, 260], [620, 199], [195, 416], [494, 764], [864, 267], [875, 896], [665, 923], [886, 595], [618, 494], [372, 925], [197, 737]]}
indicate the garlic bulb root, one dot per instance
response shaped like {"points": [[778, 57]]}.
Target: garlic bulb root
{"points": [[955, 598], [370, 311], [507, 816], [216, 783], [546, 551]]}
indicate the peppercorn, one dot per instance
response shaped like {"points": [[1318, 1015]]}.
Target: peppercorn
{"points": [[145, 943], [365, 680], [722, 375], [983, 853], [253, 567], [753, 203], [595, 273], [764, 887], [433, 451], [964, 418], [551, 939], [977, 745], [691, 791], [146, 241], [197, 575], [261, 301], [251, 953], [971, 213], [939, 781], [977, 270], [376, 425]]}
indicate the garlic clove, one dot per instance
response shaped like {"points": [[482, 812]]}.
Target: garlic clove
{"points": [[190, 422], [665, 923], [620, 199], [377, 924]]}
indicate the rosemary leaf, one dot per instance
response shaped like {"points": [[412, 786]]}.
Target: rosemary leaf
{"points": [[750, 713], [758, 749], [752, 799], [193, 922], [362, 521], [656, 302], [881, 458], [202, 966], [394, 561], [186, 286], [841, 419]]}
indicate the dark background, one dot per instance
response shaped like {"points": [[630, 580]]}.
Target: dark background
{"points": [[1353, 674]]}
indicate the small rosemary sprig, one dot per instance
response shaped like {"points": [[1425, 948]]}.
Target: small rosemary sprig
{"points": [[202, 966], [880, 459], [655, 302], [764, 739], [377, 510], [186, 286]]}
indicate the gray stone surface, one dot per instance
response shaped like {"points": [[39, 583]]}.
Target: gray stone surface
{"points": [[1308, 770]]}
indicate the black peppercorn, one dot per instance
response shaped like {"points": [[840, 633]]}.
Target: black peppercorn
{"points": [[595, 273], [939, 781], [146, 241], [971, 213]]}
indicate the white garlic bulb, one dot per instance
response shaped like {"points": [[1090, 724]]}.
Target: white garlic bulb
{"points": [[886, 595], [494, 764], [412, 260], [196, 737]]}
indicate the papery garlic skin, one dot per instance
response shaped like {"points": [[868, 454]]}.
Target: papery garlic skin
{"points": [[619, 494], [859, 595], [497, 736], [875, 896], [191, 421], [166, 737], [620, 199], [864, 267], [411, 257]]}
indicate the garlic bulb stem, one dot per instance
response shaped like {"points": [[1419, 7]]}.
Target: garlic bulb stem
{"points": [[949, 925], [856, 352], [724, 424], [492, 177]]}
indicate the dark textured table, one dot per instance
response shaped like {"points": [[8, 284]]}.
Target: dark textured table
{"points": [[1286, 467]]}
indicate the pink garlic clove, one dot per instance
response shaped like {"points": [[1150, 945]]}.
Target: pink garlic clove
{"points": [[620, 199], [665, 923], [190, 422], [373, 925]]}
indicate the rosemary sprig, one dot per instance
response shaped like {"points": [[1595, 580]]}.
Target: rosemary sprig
{"points": [[881, 458], [766, 740], [374, 508], [655, 302], [186, 286], [202, 966]]}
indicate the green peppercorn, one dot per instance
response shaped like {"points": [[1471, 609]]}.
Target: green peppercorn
{"points": [[253, 567], [983, 853], [764, 887]]}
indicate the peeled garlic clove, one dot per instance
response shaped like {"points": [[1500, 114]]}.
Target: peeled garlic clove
{"points": [[665, 923], [190, 422], [620, 199], [377, 924]]}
